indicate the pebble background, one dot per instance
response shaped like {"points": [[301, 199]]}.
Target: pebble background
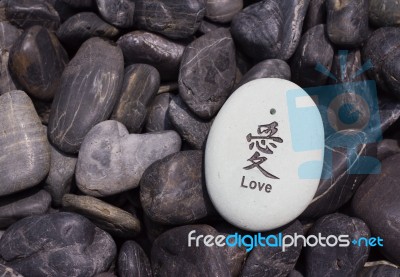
{"points": [[105, 108]]}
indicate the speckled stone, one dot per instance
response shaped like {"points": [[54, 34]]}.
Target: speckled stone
{"points": [[27, 13], [138, 47], [207, 72], [337, 261], [61, 174], [277, 32], [272, 261], [157, 116], [25, 155], [384, 12], [57, 244], [118, 13], [89, 88], [132, 261], [222, 10], [347, 22], [314, 48], [82, 26], [109, 155], [171, 18], [37, 60], [107, 217], [18, 206], [141, 83], [377, 202], [192, 129], [171, 255], [173, 190]]}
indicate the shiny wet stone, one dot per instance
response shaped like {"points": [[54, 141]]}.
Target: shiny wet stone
{"points": [[138, 47], [118, 13], [37, 60], [140, 85], [58, 244], [110, 155], [107, 217], [89, 88], [82, 26], [207, 72], [25, 158], [172, 190]]}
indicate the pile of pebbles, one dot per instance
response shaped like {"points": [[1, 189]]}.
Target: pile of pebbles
{"points": [[105, 108]]}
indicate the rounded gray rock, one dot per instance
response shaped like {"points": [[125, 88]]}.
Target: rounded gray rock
{"points": [[89, 88], [25, 155], [112, 161], [117, 12], [157, 116], [132, 261], [222, 10], [207, 72], [384, 13]]}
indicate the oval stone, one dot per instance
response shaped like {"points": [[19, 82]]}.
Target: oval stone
{"points": [[138, 47], [112, 161], [207, 72], [247, 168], [37, 61], [384, 12], [171, 18], [25, 155], [132, 261], [82, 26], [57, 244], [157, 115], [173, 191], [141, 83], [119, 13], [89, 88], [223, 10]]}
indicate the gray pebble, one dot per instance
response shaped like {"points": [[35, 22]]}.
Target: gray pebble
{"points": [[379, 271], [25, 155], [109, 155], [117, 12], [384, 12], [387, 148], [6, 271], [157, 116], [222, 10], [132, 261], [316, 14]]}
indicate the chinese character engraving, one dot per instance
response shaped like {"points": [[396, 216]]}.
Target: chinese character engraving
{"points": [[265, 142]]}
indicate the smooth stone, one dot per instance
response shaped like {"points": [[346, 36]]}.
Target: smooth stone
{"points": [[389, 109], [377, 202], [64, 10], [277, 32], [8, 35], [339, 179], [192, 129], [57, 244], [37, 61], [16, 207], [154, 229], [347, 22], [295, 273], [110, 155], [157, 114], [171, 255], [133, 261], [118, 13], [260, 128], [316, 14], [314, 48], [140, 85], [207, 26], [273, 68], [222, 10], [6, 271], [172, 18], [111, 219], [89, 88], [25, 155], [43, 109], [83, 26], [61, 174], [384, 13], [207, 72], [28, 13], [138, 47], [379, 271], [387, 148], [80, 4], [272, 261], [336, 260], [173, 190]]}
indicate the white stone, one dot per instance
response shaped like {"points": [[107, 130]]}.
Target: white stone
{"points": [[249, 198]]}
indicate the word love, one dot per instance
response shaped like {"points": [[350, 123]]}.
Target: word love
{"points": [[253, 185]]}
